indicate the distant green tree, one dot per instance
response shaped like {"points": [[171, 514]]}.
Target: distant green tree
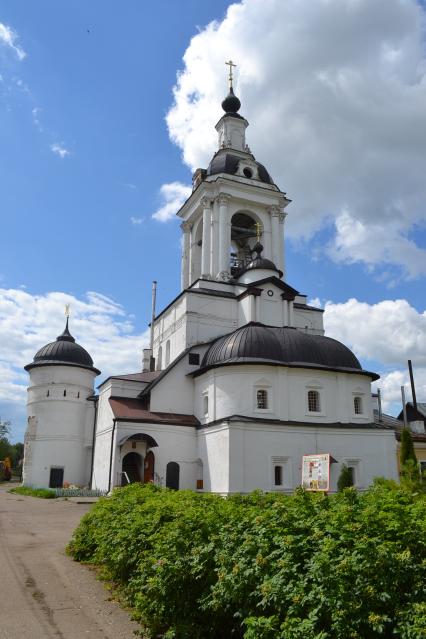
{"points": [[410, 471], [407, 447], [345, 479]]}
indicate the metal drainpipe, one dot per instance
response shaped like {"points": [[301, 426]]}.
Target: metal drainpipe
{"points": [[93, 440], [110, 456]]}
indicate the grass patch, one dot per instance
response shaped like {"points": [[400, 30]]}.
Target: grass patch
{"points": [[41, 493]]}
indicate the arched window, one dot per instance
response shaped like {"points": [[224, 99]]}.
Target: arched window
{"points": [[206, 404], [65, 392], [314, 405], [172, 475], [358, 405], [167, 362], [47, 394], [159, 356], [262, 398]]}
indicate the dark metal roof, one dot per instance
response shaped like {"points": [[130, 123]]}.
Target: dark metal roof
{"points": [[65, 351], [257, 343], [283, 422], [227, 162], [132, 410], [231, 104]]}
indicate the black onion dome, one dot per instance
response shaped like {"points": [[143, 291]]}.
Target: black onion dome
{"points": [[231, 103], [258, 343], [65, 351], [225, 162], [260, 262]]}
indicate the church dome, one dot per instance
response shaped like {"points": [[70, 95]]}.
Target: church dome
{"points": [[227, 162], [257, 343], [231, 104], [65, 351], [259, 262]]}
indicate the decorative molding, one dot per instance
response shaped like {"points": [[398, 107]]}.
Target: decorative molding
{"points": [[186, 227], [205, 202], [223, 199]]}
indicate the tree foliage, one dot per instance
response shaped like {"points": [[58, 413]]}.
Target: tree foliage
{"points": [[407, 448], [345, 478], [264, 566]]}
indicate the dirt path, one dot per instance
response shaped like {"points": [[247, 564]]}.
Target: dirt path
{"points": [[43, 593]]}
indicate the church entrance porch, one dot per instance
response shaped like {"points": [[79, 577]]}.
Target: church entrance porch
{"points": [[131, 468]]}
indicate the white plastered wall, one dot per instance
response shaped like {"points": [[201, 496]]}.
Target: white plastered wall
{"points": [[60, 426]]}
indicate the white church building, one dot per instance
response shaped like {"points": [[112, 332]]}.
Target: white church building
{"points": [[240, 383]]}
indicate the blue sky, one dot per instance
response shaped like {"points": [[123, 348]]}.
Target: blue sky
{"points": [[90, 132]]}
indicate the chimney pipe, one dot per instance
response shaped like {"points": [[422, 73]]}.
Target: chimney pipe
{"points": [[413, 388], [404, 407], [151, 341], [379, 404]]}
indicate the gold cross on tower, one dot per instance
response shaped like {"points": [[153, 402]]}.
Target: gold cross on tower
{"points": [[230, 65], [258, 228]]}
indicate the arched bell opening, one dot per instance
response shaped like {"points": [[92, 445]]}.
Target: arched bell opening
{"points": [[246, 230], [196, 251]]}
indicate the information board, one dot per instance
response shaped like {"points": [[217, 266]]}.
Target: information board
{"points": [[316, 472]]}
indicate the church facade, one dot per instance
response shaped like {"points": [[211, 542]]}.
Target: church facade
{"points": [[240, 382]]}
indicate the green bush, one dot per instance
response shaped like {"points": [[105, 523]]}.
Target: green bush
{"points": [[42, 493], [197, 566]]}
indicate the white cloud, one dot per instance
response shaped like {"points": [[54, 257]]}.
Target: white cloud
{"points": [[136, 220], [28, 322], [374, 243], [8, 37], [59, 149], [335, 91], [173, 195], [389, 332]]}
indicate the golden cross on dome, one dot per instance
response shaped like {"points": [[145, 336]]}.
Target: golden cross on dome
{"points": [[258, 228], [67, 310], [230, 65]]}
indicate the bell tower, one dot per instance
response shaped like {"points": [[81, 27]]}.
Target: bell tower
{"points": [[234, 205]]}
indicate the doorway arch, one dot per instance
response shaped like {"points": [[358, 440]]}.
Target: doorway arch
{"points": [[132, 466]]}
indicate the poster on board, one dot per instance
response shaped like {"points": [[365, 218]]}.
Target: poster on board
{"points": [[316, 472]]}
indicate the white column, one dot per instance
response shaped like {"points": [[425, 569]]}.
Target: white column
{"points": [[214, 239], [275, 257], [285, 312], [185, 255], [224, 239], [290, 313], [252, 312], [281, 260], [205, 247]]}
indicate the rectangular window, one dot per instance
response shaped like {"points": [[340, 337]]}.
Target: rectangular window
{"points": [[278, 475], [314, 401], [206, 404], [262, 399]]}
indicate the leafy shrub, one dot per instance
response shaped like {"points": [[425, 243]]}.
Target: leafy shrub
{"points": [[347, 566], [42, 493]]}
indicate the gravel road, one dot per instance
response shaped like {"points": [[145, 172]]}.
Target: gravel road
{"points": [[43, 593]]}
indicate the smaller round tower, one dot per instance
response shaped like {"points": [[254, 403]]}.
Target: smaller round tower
{"points": [[61, 414]]}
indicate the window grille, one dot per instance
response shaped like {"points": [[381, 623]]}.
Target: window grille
{"points": [[313, 401], [262, 399], [358, 405]]}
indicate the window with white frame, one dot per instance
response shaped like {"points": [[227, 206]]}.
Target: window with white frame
{"points": [[262, 399], [281, 473], [205, 404], [358, 405], [314, 401], [353, 466]]}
